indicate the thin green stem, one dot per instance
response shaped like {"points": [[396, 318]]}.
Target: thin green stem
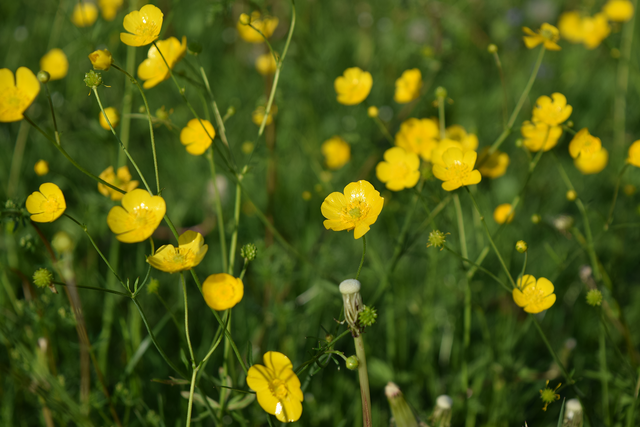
{"points": [[622, 82], [186, 320], [484, 270], [383, 129], [460, 219], [615, 196], [441, 122], [216, 111], [191, 389], [604, 374], [505, 96], [218, 203], [552, 351], [364, 251], [524, 264], [93, 288], [364, 381], [236, 226], [53, 114]]}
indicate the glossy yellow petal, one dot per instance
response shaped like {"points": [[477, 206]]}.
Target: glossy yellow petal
{"points": [[28, 83], [222, 291], [333, 205], [353, 86], [47, 204], [451, 185], [544, 304], [634, 154], [289, 410], [259, 377], [138, 218], [144, 26], [589, 164]]}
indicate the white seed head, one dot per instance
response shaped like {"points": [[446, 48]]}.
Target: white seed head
{"points": [[444, 402], [391, 390], [349, 286], [574, 408]]}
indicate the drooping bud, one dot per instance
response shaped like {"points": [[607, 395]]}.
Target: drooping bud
{"points": [[441, 416], [402, 415], [350, 290]]}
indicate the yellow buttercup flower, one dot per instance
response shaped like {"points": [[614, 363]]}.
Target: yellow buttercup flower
{"points": [[594, 30], [469, 141], [109, 8], [357, 209], [552, 111], [112, 115], [493, 166], [583, 143], [457, 169], [138, 217], [153, 70], [266, 64], [277, 387], [144, 26], [408, 86], [194, 137], [618, 10], [41, 168], [592, 163], [121, 179], [418, 136], [540, 136], [266, 25], [336, 152], [503, 213], [222, 291], [84, 14], [55, 63], [189, 253], [399, 170], [570, 26], [353, 86], [534, 296], [441, 147], [16, 95], [634, 154], [548, 35], [258, 115], [101, 59], [47, 204]]}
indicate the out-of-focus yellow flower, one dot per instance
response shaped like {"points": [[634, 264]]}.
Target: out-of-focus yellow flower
{"points": [[456, 169], [418, 136], [189, 253], [408, 86], [222, 291], [493, 166], [540, 136], [138, 217], [41, 168], [84, 14], [503, 213], [534, 296], [618, 10], [594, 30], [441, 147], [353, 86], [552, 111], [458, 133], [593, 163], [336, 152], [112, 115], [109, 8], [583, 143], [357, 209], [373, 112], [194, 137], [101, 59], [548, 35], [634, 154], [570, 26], [266, 25], [153, 70], [47, 204], [277, 387], [55, 63], [258, 115], [266, 64], [399, 170], [121, 179], [16, 95], [143, 26]]}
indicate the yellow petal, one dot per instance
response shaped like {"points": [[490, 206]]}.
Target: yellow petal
{"points": [[360, 230], [333, 205], [28, 83], [545, 286], [473, 178], [258, 378]]}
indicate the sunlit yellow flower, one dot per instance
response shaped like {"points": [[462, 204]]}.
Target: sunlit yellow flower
{"points": [[109, 8], [594, 30], [189, 253], [258, 115], [112, 115], [16, 95], [457, 169], [153, 70], [353, 86], [195, 139], [121, 179], [144, 26], [583, 143], [534, 296], [618, 10], [503, 213], [47, 204], [55, 63], [540, 136], [441, 147], [634, 154], [277, 387], [548, 35], [336, 152], [222, 291], [590, 164], [399, 170], [493, 166], [41, 168], [357, 209], [408, 86], [266, 64], [458, 133], [418, 136], [101, 59], [266, 25], [570, 26], [138, 217], [552, 111], [84, 14]]}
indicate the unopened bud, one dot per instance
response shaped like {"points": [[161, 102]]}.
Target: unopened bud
{"points": [[572, 195], [402, 414], [43, 76], [535, 218], [521, 246], [352, 363], [492, 48], [441, 92], [372, 112]]}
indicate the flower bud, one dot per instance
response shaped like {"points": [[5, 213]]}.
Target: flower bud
{"points": [[350, 290], [572, 195], [101, 59], [441, 416], [521, 246], [249, 252], [492, 48], [43, 76], [572, 413], [441, 92], [352, 363], [535, 218], [42, 278], [402, 415], [372, 112], [62, 242], [152, 287], [41, 167], [92, 79]]}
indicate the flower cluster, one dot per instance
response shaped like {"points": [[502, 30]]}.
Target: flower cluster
{"points": [[588, 153], [544, 129]]}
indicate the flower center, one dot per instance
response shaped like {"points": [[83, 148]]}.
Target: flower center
{"points": [[355, 211], [534, 294], [13, 99], [546, 34], [458, 172], [183, 256], [50, 205], [142, 217], [278, 389]]}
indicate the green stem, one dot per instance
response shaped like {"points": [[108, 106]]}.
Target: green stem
{"points": [[602, 356], [53, 114], [383, 129], [216, 111], [464, 377], [127, 105], [622, 82], [191, 389], [441, 116], [484, 270], [505, 96], [186, 320], [109, 291], [364, 251], [460, 218], [236, 226], [364, 381], [615, 196], [218, 203]]}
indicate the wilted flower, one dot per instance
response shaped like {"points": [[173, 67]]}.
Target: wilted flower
{"points": [[353, 86]]}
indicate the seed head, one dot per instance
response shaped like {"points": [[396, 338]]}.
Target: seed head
{"points": [[42, 278], [594, 297]]}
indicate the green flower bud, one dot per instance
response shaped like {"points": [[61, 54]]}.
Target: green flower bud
{"points": [[352, 363], [92, 79], [492, 48], [441, 92], [249, 252], [43, 76], [152, 287], [42, 278], [594, 297], [521, 246], [535, 218]]}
